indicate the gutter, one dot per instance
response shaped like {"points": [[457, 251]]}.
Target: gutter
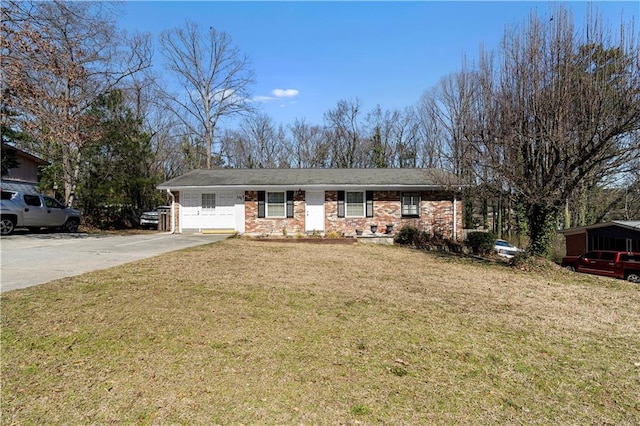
{"points": [[293, 186], [455, 219]]}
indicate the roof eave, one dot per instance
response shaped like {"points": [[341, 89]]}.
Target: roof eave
{"points": [[581, 229], [378, 187]]}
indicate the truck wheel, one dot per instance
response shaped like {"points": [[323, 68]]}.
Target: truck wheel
{"points": [[634, 277], [71, 225], [570, 268], [7, 225]]}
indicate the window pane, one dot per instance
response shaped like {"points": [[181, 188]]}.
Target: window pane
{"points": [[410, 205], [355, 203], [275, 204], [208, 201], [276, 197]]}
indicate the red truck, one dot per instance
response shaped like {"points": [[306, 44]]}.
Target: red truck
{"points": [[616, 264]]}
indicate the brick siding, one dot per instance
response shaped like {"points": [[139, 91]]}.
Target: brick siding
{"points": [[176, 207], [436, 215], [270, 225]]}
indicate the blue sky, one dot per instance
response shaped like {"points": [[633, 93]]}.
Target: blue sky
{"points": [[309, 55]]}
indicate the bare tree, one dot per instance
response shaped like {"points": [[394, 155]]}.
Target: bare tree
{"points": [[167, 137], [260, 132], [215, 80], [58, 58], [343, 130], [630, 203], [569, 114], [380, 127], [405, 139], [308, 146], [455, 99], [237, 151], [432, 133], [283, 158], [257, 143]]}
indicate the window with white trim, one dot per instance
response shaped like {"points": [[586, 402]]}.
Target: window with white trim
{"points": [[354, 204], [410, 204], [209, 201], [276, 204]]}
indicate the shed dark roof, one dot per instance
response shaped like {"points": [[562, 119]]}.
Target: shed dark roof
{"points": [[255, 178], [633, 225]]}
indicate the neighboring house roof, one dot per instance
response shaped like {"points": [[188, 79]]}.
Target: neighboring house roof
{"points": [[20, 153], [24, 176], [315, 178], [627, 224]]}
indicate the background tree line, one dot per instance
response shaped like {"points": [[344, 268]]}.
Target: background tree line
{"points": [[544, 129]]}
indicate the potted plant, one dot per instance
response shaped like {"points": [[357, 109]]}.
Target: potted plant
{"points": [[374, 228], [358, 231], [389, 228]]}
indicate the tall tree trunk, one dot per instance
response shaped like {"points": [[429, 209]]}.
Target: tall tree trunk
{"points": [[499, 218], [485, 214], [542, 228], [74, 181], [567, 215]]}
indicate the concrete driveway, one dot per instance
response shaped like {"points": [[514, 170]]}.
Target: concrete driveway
{"points": [[32, 259]]}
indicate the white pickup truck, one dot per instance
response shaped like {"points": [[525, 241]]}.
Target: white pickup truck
{"points": [[35, 211]]}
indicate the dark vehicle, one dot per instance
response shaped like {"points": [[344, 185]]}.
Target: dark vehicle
{"points": [[615, 264], [35, 211], [150, 219]]}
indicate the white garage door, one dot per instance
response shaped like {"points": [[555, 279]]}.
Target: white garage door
{"points": [[209, 210], [219, 213]]}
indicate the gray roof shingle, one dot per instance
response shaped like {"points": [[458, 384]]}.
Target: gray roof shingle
{"points": [[255, 178]]}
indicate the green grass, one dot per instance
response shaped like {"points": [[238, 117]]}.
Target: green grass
{"points": [[245, 332]]}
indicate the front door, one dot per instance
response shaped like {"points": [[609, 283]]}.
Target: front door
{"points": [[314, 211]]}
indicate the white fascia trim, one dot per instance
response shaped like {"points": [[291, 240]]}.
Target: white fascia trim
{"points": [[308, 187]]}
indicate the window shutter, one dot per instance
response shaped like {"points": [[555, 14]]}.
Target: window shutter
{"points": [[369, 204], [289, 203], [261, 209], [340, 203]]}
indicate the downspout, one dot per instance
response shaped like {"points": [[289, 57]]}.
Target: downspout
{"points": [[455, 219], [173, 210]]}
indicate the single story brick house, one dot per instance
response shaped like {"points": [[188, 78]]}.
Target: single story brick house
{"points": [[304, 201], [620, 235]]}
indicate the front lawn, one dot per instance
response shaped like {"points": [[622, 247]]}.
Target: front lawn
{"points": [[252, 332]]}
